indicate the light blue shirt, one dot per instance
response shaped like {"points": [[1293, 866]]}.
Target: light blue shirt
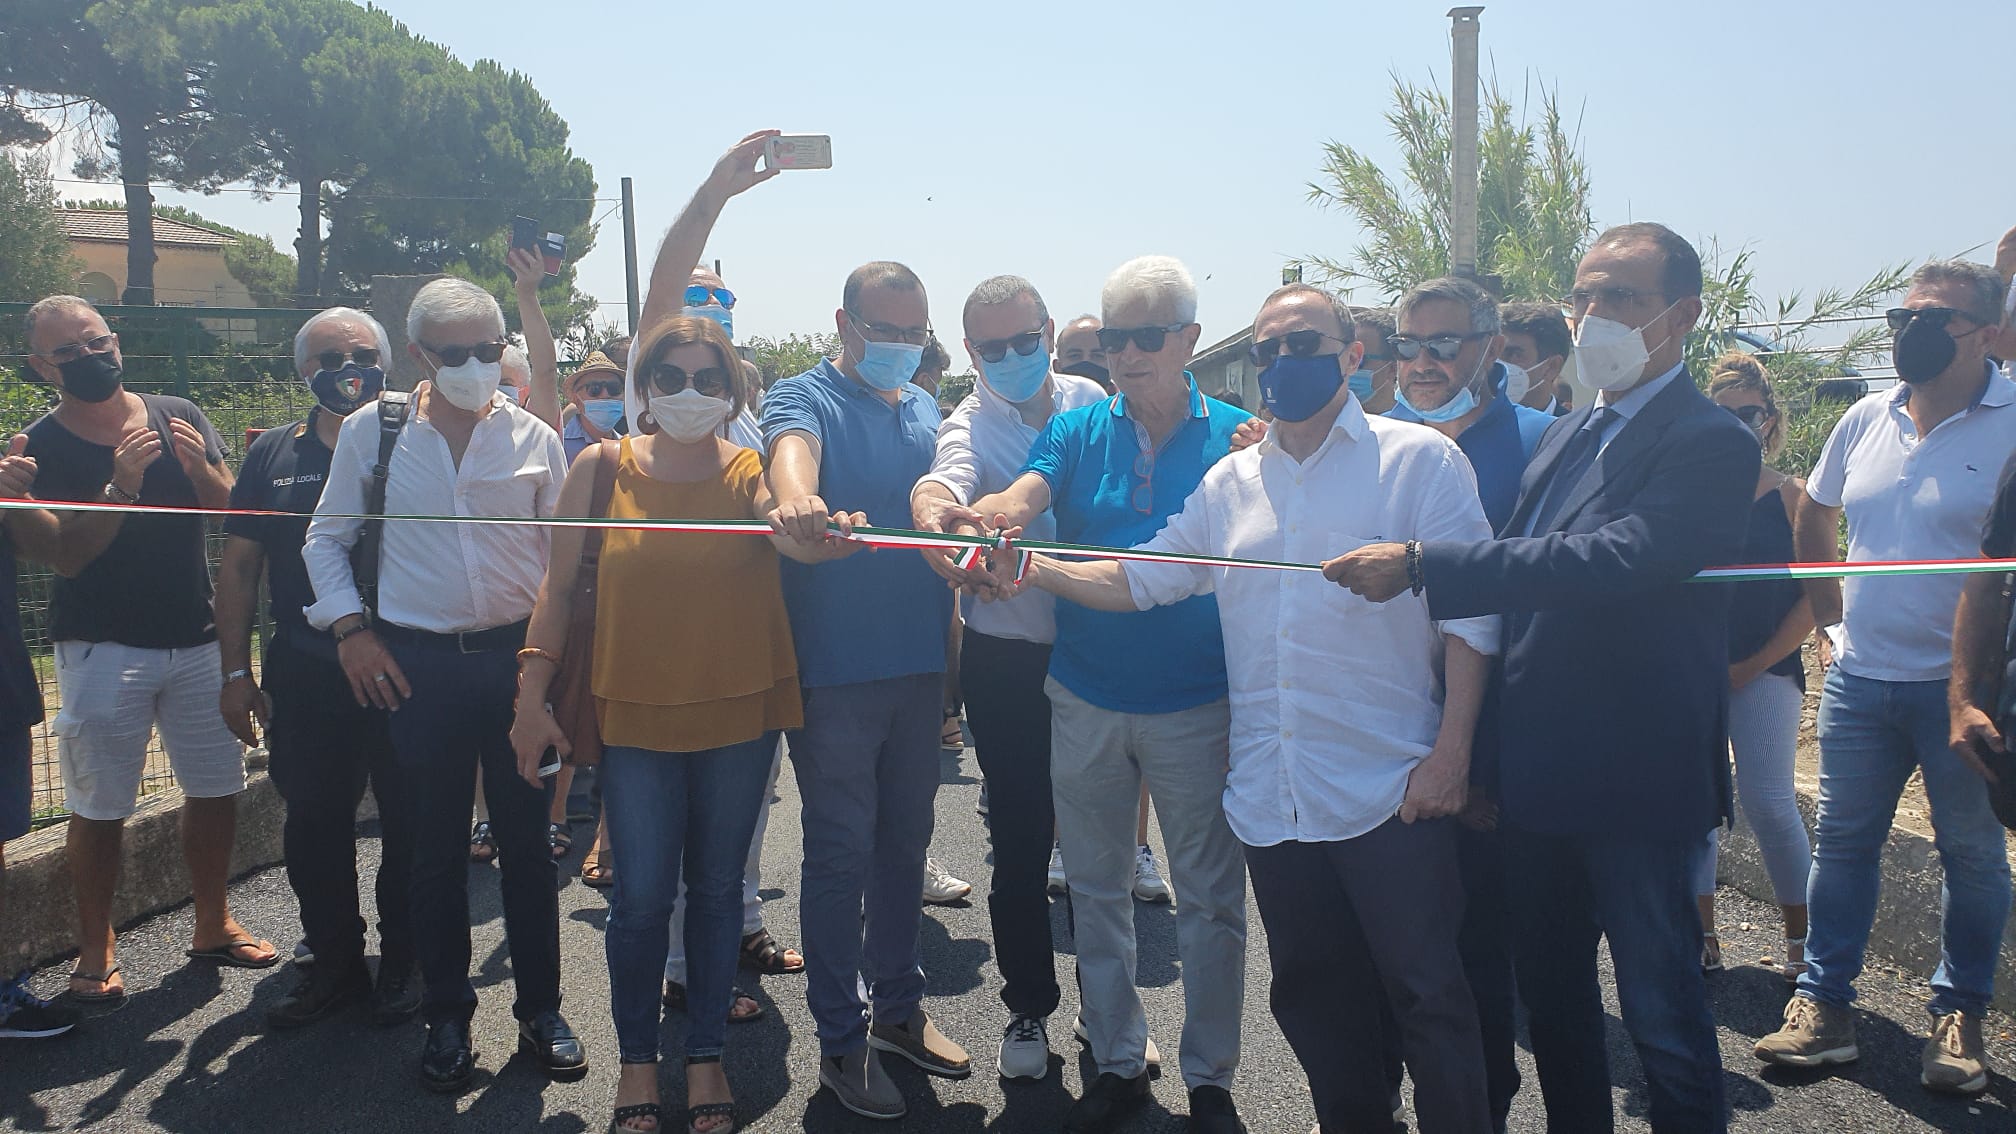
{"points": [[1626, 406]]}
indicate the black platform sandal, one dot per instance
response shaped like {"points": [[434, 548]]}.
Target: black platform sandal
{"points": [[635, 1111], [694, 1113]]}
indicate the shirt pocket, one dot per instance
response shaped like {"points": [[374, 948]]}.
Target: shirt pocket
{"points": [[513, 494]]}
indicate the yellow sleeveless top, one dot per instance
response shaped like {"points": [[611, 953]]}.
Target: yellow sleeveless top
{"points": [[692, 647]]}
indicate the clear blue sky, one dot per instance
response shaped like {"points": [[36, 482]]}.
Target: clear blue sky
{"points": [[1055, 140]]}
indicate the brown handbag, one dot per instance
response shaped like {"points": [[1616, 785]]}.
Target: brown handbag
{"points": [[571, 694]]}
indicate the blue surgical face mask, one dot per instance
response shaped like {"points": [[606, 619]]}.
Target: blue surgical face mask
{"points": [[1297, 388], [1361, 384], [1016, 377], [1464, 401], [715, 312], [886, 366], [603, 413]]}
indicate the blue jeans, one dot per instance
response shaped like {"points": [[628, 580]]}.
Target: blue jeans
{"points": [[664, 808], [1567, 892], [1872, 734]]}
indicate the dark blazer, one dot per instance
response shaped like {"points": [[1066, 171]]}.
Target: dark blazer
{"points": [[1616, 669]]}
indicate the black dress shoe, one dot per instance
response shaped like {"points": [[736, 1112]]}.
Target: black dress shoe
{"points": [[547, 1038], [1106, 1103], [448, 1062], [322, 992], [396, 995], [1212, 1112]]}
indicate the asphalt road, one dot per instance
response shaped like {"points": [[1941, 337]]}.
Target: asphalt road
{"points": [[189, 1053]]}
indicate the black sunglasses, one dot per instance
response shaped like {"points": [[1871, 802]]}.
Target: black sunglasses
{"points": [[1442, 348], [1299, 344], [697, 295], [334, 359], [1749, 415], [602, 388], [1113, 340], [1900, 317], [1024, 344], [452, 356], [669, 379]]}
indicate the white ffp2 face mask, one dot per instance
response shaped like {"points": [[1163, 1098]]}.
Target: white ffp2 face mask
{"points": [[1610, 355], [468, 387], [689, 415]]}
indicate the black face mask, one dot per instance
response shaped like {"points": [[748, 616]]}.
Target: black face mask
{"points": [[1088, 369], [342, 391], [1923, 351], [91, 378]]}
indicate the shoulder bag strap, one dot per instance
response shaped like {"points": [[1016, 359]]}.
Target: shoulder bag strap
{"points": [[393, 408]]}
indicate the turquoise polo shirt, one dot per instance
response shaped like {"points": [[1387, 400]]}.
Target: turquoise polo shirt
{"points": [[872, 615], [1162, 660]]}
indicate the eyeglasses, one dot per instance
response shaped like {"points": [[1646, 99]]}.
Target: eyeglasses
{"points": [[601, 388], [1442, 348], [71, 352], [1150, 339], [1024, 345], [452, 356], [1299, 344], [1900, 317], [1749, 415], [669, 379], [698, 295], [1143, 497], [334, 359], [889, 333], [1581, 299]]}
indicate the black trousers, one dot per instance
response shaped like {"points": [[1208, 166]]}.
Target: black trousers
{"points": [[1002, 681], [325, 750], [457, 722], [1348, 922]]}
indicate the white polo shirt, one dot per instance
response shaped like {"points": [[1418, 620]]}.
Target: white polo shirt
{"points": [[1334, 699], [1908, 497]]}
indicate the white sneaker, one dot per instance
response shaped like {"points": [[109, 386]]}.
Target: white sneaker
{"points": [[940, 888], [1148, 883], [1058, 883], [980, 808], [1154, 1054], [1025, 1049]]}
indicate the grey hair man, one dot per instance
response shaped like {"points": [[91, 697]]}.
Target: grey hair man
{"points": [[325, 748], [440, 648], [1141, 694]]}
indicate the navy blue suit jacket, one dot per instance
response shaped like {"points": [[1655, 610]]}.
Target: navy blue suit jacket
{"points": [[1613, 716]]}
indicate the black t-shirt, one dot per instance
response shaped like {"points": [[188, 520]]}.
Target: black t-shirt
{"points": [[283, 472], [151, 587], [20, 693]]}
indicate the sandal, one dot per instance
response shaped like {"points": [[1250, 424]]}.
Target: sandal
{"points": [[953, 737], [697, 1111], [108, 996], [635, 1111], [597, 873], [761, 952], [1711, 953], [737, 996], [1788, 968], [227, 956], [482, 844], [559, 840]]}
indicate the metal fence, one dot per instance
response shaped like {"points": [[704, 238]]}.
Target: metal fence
{"points": [[237, 364]]}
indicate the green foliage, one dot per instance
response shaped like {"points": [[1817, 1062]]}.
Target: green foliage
{"points": [[35, 255], [953, 388], [1533, 217], [792, 354]]}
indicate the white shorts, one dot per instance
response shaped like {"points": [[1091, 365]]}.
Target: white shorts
{"points": [[114, 697]]}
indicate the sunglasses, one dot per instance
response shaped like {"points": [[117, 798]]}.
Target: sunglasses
{"points": [[1442, 348], [889, 332], [1901, 317], [698, 295], [1113, 340], [602, 388], [1024, 345], [1749, 415], [1298, 344], [669, 379], [71, 352], [452, 356], [333, 360]]}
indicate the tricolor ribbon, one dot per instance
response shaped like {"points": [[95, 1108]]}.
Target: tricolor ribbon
{"points": [[970, 552]]}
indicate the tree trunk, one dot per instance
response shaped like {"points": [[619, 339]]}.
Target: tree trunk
{"points": [[135, 169], [308, 243]]}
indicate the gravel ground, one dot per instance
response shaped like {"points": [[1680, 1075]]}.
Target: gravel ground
{"points": [[189, 1053]]}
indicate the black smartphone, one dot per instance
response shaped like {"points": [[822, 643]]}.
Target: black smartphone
{"points": [[549, 763]]}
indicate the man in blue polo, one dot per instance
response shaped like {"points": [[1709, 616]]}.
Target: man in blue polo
{"points": [[870, 632], [1142, 695]]}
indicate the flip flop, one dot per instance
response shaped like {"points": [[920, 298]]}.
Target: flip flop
{"points": [[227, 955], [110, 997]]}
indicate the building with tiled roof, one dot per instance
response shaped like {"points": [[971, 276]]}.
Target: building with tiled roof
{"points": [[189, 266]]}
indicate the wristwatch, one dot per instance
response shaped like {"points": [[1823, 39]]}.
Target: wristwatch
{"points": [[119, 495], [236, 674]]}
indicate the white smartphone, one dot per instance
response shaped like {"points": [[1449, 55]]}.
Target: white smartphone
{"points": [[798, 151], [552, 769]]}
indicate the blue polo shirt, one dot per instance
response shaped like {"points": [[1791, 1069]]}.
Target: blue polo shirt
{"points": [[1499, 443], [1162, 660], [873, 615]]}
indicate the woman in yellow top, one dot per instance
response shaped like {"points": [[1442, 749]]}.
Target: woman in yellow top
{"points": [[693, 676]]}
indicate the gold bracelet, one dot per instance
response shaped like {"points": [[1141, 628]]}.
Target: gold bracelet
{"points": [[536, 652]]}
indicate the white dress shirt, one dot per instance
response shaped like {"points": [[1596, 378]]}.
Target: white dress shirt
{"points": [[981, 447], [440, 577], [1334, 699]]}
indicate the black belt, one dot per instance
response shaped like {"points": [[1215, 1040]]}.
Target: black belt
{"points": [[466, 641]]}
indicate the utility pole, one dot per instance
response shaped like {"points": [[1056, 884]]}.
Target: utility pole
{"points": [[1463, 138], [630, 255]]}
